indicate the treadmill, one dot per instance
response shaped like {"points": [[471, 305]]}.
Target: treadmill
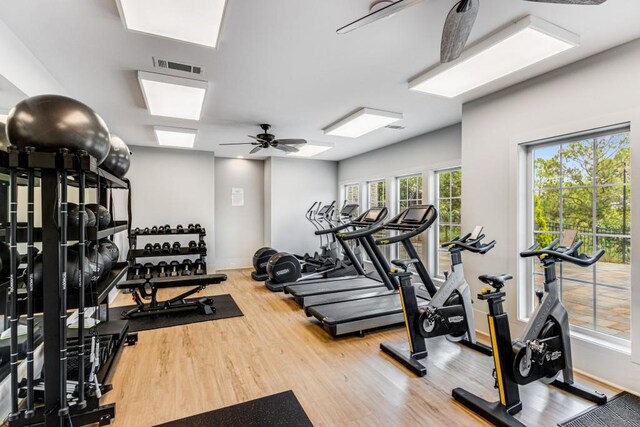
{"points": [[383, 309], [334, 290]]}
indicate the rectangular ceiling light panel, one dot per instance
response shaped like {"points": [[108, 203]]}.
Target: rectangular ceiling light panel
{"points": [[362, 122], [172, 96], [518, 46], [192, 21], [175, 137], [309, 150]]}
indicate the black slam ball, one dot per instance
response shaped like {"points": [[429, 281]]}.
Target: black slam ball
{"points": [[103, 216], [119, 158]]}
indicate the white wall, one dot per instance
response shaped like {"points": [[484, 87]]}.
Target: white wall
{"points": [[173, 187], [239, 230], [423, 155], [295, 185], [598, 91]]}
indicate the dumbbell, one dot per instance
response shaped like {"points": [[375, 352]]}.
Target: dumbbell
{"points": [[162, 265], [166, 248], [180, 228], [148, 248], [193, 246], [186, 267], [148, 267], [191, 228], [199, 266], [157, 248], [136, 271], [202, 245], [136, 230], [146, 230], [174, 268], [176, 248], [161, 229], [198, 227], [154, 229]]}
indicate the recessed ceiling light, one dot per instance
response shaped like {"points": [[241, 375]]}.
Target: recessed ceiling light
{"points": [[172, 96], [528, 41], [362, 122], [175, 137], [192, 21], [310, 150]]}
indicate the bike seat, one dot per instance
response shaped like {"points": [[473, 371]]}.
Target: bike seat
{"points": [[496, 281], [404, 263]]}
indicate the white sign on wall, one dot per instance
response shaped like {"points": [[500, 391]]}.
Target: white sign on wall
{"points": [[237, 197]]}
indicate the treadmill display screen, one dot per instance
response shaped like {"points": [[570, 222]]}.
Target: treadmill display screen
{"points": [[373, 215], [414, 215]]}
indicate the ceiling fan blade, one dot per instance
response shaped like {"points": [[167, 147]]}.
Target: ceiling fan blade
{"points": [[240, 143], [290, 141], [286, 148], [457, 28], [378, 14], [578, 2], [256, 149]]}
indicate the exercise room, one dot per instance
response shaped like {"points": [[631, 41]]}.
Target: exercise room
{"points": [[299, 213]]}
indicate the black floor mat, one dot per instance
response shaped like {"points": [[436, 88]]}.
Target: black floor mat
{"points": [[225, 307], [281, 410], [622, 410]]}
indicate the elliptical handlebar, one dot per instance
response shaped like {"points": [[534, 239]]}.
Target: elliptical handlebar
{"points": [[568, 254]]}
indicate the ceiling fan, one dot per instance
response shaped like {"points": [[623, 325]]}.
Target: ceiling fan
{"points": [[266, 140], [457, 26]]}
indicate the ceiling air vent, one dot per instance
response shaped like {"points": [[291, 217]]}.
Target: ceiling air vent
{"points": [[178, 66], [395, 127]]}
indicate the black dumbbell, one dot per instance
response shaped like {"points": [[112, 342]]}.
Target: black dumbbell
{"points": [[176, 248], [180, 228], [157, 248], [148, 248], [146, 230], [162, 265], [186, 267], [136, 271], [166, 248], [136, 230], [154, 229], [193, 246], [161, 229], [174, 268], [198, 228], [167, 228], [191, 228], [148, 269], [202, 245], [199, 268]]}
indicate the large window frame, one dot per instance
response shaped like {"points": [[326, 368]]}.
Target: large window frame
{"points": [[349, 191], [592, 234], [418, 241], [447, 203]]}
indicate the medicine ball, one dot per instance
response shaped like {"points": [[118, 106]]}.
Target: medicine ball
{"points": [[96, 261], [260, 259], [103, 216], [73, 219], [73, 272], [283, 267], [4, 142], [104, 253], [51, 122], [119, 158], [112, 248]]}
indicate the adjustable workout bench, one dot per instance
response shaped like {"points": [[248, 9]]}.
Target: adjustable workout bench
{"points": [[148, 289]]}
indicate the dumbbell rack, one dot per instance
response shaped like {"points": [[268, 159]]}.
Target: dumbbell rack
{"points": [[135, 254], [54, 173]]}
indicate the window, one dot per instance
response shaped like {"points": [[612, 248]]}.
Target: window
{"points": [[352, 194], [583, 184], [449, 197], [377, 191], [409, 194]]}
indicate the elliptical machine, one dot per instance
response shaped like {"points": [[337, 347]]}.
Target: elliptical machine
{"points": [[449, 312], [545, 347]]}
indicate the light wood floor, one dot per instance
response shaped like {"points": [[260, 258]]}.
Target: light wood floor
{"points": [[182, 371]]}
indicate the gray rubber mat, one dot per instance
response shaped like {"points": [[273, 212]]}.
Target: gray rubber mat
{"points": [[622, 410]]}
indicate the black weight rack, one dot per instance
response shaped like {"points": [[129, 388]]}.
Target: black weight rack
{"points": [[135, 254], [54, 173]]}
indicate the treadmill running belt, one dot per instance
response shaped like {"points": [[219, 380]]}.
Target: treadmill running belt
{"points": [[332, 286], [350, 311]]}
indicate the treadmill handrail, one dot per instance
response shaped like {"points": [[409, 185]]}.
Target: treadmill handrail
{"points": [[370, 228], [412, 231]]}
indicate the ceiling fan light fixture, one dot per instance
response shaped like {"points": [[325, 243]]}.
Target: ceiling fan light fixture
{"points": [[175, 137], [362, 122], [191, 21], [526, 42]]}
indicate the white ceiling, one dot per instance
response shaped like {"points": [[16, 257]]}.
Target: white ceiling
{"points": [[281, 62]]}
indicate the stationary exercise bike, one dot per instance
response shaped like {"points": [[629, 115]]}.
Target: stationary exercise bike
{"points": [[545, 347], [449, 312]]}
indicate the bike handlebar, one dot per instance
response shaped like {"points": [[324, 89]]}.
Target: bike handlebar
{"points": [[474, 245], [568, 255]]}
